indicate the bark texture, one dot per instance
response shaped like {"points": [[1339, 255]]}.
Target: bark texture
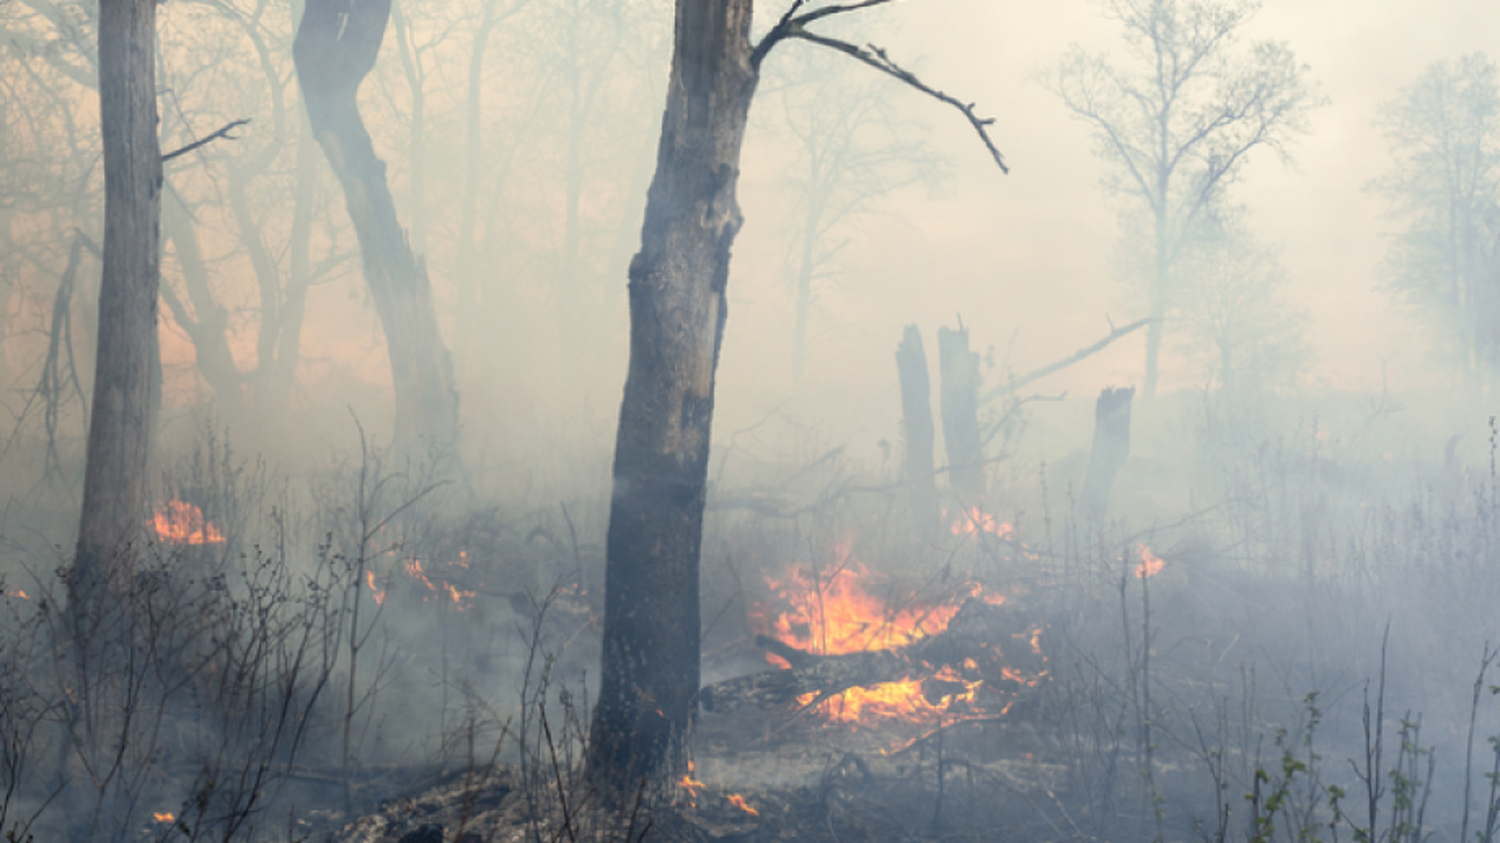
{"points": [[650, 670], [119, 443], [916, 413], [334, 50]]}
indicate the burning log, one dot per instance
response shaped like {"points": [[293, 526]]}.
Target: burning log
{"points": [[987, 649]]}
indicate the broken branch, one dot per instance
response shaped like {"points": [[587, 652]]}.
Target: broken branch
{"points": [[221, 133], [1082, 353]]}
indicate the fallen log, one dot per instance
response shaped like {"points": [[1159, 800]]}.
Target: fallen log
{"points": [[993, 644]]}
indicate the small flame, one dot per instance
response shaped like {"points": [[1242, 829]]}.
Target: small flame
{"points": [[1151, 564], [163, 816], [179, 522], [379, 592], [974, 521], [738, 801], [21, 593], [690, 784]]}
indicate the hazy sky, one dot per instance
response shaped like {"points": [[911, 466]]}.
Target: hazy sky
{"points": [[1028, 254]]}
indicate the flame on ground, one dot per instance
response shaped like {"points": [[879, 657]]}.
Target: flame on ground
{"points": [[839, 615], [691, 785], [163, 816], [975, 520], [179, 522], [738, 801], [1151, 564], [378, 592]]}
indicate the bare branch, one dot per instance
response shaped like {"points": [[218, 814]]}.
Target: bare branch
{"points": [[876, 57], [1080, 354], [221, 133]]}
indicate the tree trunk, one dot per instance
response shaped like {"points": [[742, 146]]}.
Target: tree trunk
{"points": [[334, 50], [208, 325], [1111, 448], [119, 443], [651, 642], [916, 412], [960, 400]]}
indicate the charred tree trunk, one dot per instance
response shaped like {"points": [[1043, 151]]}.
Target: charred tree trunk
{"points": [[960, 400], [650, 670], [334, 50], [1111, 448], [916, 412], [119, 442]]}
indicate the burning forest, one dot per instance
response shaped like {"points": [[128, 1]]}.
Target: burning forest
{"points": [[605, 420]]}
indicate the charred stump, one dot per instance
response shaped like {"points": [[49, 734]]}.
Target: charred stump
{"points": [[960, 402], [1110, 450], [916, 413]]}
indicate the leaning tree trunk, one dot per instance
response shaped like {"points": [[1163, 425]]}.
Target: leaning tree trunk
{"points": [[334, 50], [677, 311], [119, 445]]}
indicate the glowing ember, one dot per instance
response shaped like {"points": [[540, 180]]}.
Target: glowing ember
{"points": [[21, 593], [738, 801], [163, 816], [1150, 563], [179, 522]]}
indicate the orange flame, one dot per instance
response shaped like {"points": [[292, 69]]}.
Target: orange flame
{"points": [[738, 801], [379, 592], [974, 521], [690, 784], [20, 592], [838, 615], [179, 522], [163, 816], [1151, 564]]}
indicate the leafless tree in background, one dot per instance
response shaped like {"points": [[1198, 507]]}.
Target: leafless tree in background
{"points": [[1180, 119], [334, 50], [1444, 134]]}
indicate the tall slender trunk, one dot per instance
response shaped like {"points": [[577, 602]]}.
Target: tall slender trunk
{"points": [[468, 248], [805, 265], [1158, 299], [651, 642], [119, 441], [282, 375], [208, 324], [334, 50], [411, 65]]}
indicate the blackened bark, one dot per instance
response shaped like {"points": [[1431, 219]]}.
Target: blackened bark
{"points": [[1110, 450], [334, 50], [916, 413], [650, 670], [119, 444], [960, 400]]}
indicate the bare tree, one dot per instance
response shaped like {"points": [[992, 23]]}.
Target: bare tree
{"points": [[334, 50], [1444, 134], [678, 308], [1180, 120], [119, 444]]}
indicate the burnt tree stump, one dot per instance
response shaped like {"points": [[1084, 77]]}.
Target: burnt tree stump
{"points": [[960, 401], [916, 414], [1110, 450]]}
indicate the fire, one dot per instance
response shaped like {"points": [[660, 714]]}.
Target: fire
{"points": [[690, 784], [20, 592], [738, 801], [378, 591], [975, 521], [163, 816], [838, 615], [1151, 564], [456, 594], [179, 522]]}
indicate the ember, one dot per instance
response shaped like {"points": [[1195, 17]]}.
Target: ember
{"points": [[163, 816], [179, 522]]}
